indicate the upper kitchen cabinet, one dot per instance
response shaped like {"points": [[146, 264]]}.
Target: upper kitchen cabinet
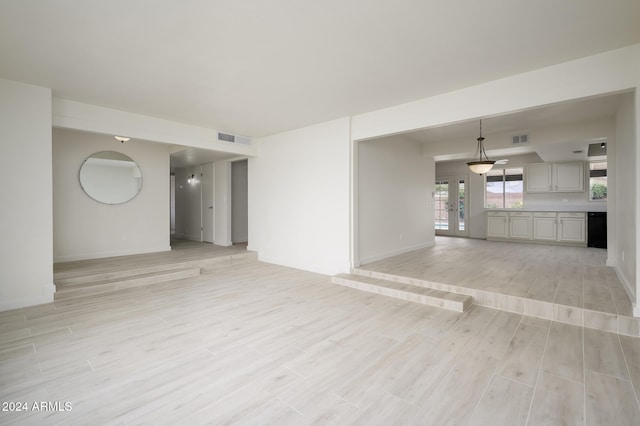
{"points": [[537, 177], [554, 177], [569, 177]]}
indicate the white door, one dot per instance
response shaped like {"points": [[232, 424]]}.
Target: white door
{"points": [[451, 206], [208, 189]]}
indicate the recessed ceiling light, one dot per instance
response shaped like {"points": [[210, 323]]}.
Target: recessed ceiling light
{"points": [[122, 139]]}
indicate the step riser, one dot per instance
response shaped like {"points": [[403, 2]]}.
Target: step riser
{"points": [[85, 279], [68, 293], [403, 295], [400, 279]]}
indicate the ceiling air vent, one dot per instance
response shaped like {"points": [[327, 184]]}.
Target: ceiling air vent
{"points": [[226, 137], [519, 139], [234, 138]]}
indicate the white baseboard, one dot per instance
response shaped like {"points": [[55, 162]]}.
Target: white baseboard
{"points": [[319, 269], [111, 253], [627, 287], [222, 243], [636, 310], [392, 253], [23, 302]]}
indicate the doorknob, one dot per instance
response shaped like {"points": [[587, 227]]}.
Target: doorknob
{"points": [[211, 207]]}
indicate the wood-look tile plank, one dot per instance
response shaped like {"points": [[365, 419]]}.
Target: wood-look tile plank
{"points": [[563, 355], [557, 401], [523, 358], [418, 382], [631, 351], [603, 354], [505, 402], [610, 400], [471, 374], [385, 410]]}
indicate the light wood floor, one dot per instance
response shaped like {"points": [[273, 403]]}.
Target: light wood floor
{"points": [[181, 251], [254, 343]]}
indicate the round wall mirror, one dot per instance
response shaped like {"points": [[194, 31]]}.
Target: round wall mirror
{"points": [[110, 177]]}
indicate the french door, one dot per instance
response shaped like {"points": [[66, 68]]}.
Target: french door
{"points": [[450, 196]]}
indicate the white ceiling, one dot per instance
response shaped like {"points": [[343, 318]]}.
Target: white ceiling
{"points": [[260, 67]]}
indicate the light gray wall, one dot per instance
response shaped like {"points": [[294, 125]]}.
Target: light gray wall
{"points": [[239, 205], [395, 211], [26, 275], [626, 216], [85, 228], [222, 203]]}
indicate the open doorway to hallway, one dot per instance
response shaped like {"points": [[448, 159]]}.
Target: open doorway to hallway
{"points": [[210, 203]]}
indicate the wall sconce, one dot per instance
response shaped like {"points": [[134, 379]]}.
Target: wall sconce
{"points": [[191, 179]]}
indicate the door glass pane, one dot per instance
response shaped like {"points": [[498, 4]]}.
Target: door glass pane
{"points": [[461, 202], [442, 205]]}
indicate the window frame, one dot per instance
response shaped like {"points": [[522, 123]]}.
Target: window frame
{"points": [[598, 173], [505, 178]]}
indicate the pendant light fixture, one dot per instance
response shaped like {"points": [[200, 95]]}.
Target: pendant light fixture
{"points": [[482, 164]]}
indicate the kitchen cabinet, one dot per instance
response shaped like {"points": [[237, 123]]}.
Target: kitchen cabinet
{"points": [[567, 228], [568, 177], [554, 177], [537, 177], [520, 225], [572, 227], [544, 226], [497, 225]]}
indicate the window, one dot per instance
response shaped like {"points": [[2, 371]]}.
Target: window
{"points": [[598, 181], [503, 189]]}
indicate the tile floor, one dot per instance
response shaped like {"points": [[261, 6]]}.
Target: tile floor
{"points": [[254, 343], [541, 280]]}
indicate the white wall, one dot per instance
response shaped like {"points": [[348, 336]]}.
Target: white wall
{"points": [[26, 226], [239, 206], [626, 218], [395, 184], [86, 229], [299, 198]]}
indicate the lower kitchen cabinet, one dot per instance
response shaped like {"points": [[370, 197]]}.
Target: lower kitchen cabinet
{"points": [[543, 227], [497, 225], [520, 225], [572, 227]]}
